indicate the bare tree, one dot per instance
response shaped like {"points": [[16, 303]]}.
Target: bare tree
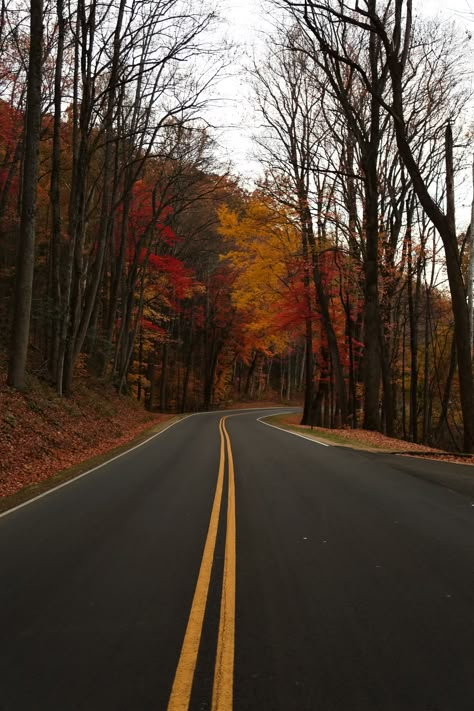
{"points": [[389, 32], [128, 82], [289, 98], [26, 246]]}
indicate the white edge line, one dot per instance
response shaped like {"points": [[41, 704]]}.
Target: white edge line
{"points": [[296, 434], [243, 411], [89, 471], [259, 409], [117, 456]]}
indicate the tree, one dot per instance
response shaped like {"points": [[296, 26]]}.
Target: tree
{"points": [[389, 32], [289, 97], [26, 246]]}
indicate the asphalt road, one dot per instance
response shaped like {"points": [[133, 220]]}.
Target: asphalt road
{"points": [[333, 580]]}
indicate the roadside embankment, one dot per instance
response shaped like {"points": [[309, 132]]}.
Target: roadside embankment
{"points": [[366, 440], [46, 439]]}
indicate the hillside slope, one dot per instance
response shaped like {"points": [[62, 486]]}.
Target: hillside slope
{"points": [[41, 433]]}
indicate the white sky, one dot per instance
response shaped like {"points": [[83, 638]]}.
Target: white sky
{"points": [[245, 23]]}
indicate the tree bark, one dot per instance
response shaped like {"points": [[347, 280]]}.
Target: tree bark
{"points": [[323, 302], [470, 300], [372, 335], [308, 354], [445, 224], [26, 248], [55, 200]]}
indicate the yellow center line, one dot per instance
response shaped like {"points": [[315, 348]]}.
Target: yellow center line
{"points": [[222, 693], [183, 681]]}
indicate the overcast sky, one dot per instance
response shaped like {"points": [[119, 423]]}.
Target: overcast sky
{"points": [[246, 22]]}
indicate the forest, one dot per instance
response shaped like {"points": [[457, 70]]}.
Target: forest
{"points": [[131, 252]]}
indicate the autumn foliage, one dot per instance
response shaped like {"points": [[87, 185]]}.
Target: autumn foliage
{"points": [[160, 275]]}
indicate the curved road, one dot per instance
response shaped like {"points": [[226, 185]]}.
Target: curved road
{"points": [[228, 565]]}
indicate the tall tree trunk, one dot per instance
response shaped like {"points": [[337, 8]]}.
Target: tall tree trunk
{"points": [[117, 283], [445, 224], [55, 200], [87, 20], [107, 191], [308, 385], [443, 418], [470, 278], [26, 248], [140, 365], [163, 380], [404, 408], [413, 318], [426, 377], [69, 264], [352, 380], [250, 373], [187, 373], [372, 335], [323, 302], [288, 382], [211, 366]]}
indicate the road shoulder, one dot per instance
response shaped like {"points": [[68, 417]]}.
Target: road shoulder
{"points": [[431, 465], [63, 476]]}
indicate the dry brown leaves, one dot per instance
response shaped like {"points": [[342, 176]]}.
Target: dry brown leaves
{"points": [[375, 440], [41, 434]]}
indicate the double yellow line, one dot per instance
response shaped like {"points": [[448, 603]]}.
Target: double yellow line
{"points": [[222, 692]]}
